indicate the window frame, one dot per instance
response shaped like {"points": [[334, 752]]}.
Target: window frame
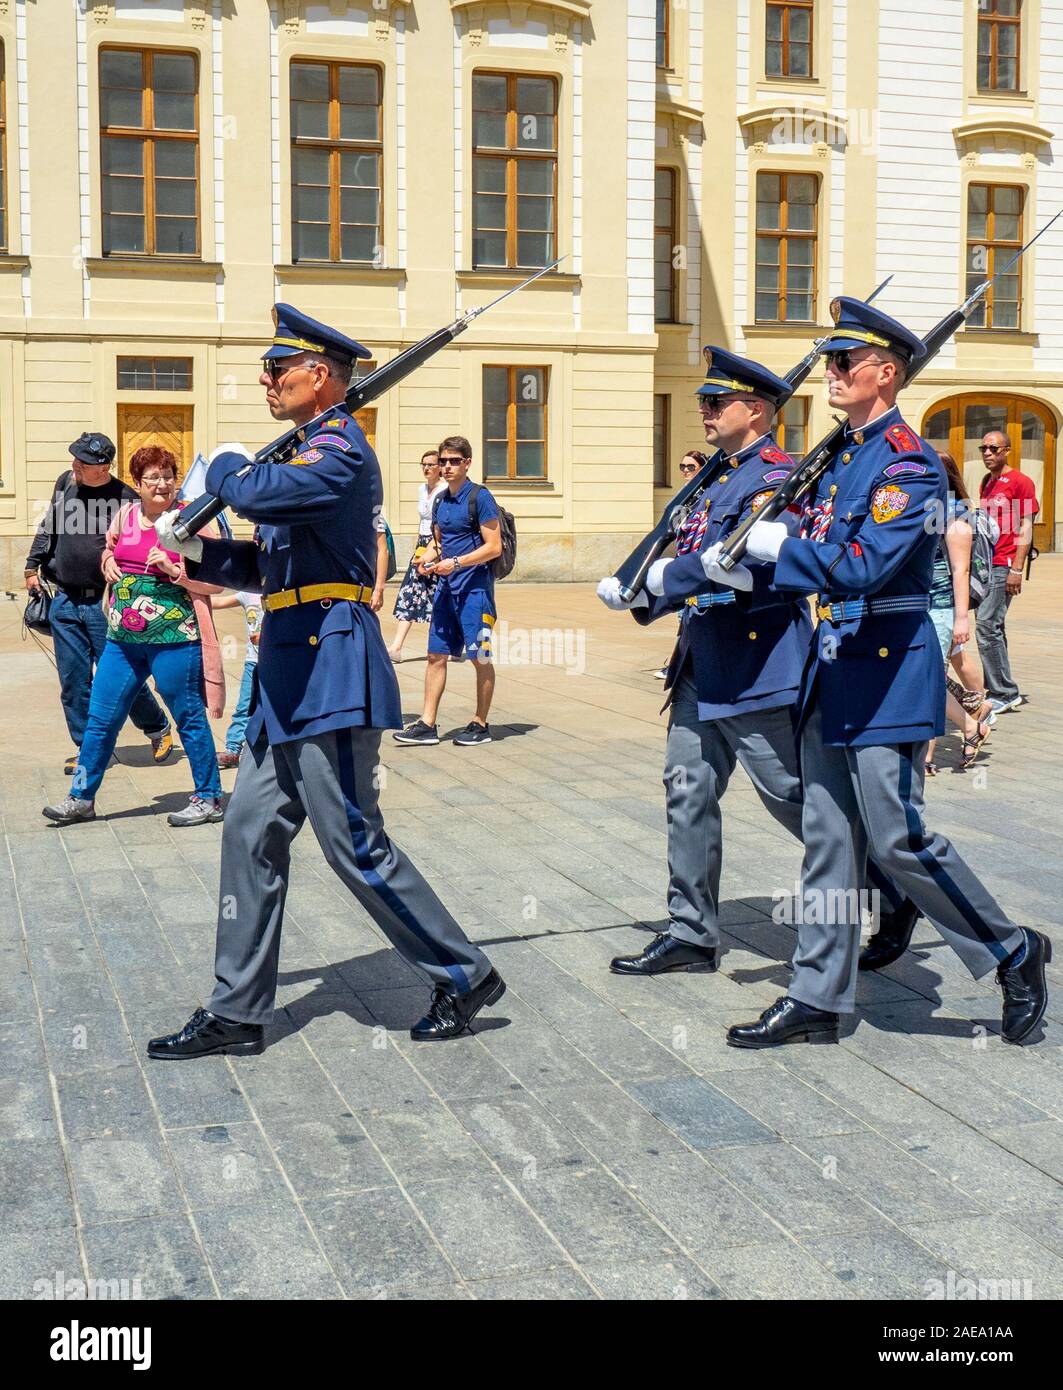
{"points": [[336, 147], [992, 246], [663, 34], [5, 210], [148, 134], [511, 154], [786, 6], [154, 359], [783, 234], [511, 476], [673, 241], [779, 432], [662, 477], [995, 21]]}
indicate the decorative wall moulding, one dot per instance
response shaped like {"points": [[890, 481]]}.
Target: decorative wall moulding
{"points": [[794, 122], [1007, 133]]}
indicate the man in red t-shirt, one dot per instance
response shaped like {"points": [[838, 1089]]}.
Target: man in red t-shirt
{"points": [[1011, 500]]}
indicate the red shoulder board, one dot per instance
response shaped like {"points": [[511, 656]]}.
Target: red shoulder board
{"points": [[771, 453], [902, 440]]}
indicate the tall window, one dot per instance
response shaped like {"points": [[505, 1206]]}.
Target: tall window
{"points": [[663, 17], [994, 234], [791, 429], [665, 236], [515, 169], [999, 23], [661, 440], [788, 39], [337, 154], [786, 248], [149, 152], [515, 422], [154, 373], [3, 152]]}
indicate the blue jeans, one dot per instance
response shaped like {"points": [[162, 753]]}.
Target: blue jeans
{"points": [[79, 635], [993, 639], [123, 668], [235, 735]]}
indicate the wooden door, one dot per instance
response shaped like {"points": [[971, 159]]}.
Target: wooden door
{"points": [[169, 426], [367, 424]]}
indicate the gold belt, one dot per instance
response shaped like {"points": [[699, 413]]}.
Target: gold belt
{"points": [[313, 593]]}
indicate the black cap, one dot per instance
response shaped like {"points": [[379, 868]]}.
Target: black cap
{"points": [[93, 448]]}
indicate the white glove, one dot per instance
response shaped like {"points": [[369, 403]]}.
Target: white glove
{"points": [[765, 540], [240, 449], [609, 593], [738, 578], [191, 549], [655, 577]]}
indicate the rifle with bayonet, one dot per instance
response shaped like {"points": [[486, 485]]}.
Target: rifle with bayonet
{"points": [[805, 475], [359, 394], [632, 573]]}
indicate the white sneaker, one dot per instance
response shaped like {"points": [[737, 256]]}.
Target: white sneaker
{"points": [[1003, 706], [197, 812], [70, 811]]}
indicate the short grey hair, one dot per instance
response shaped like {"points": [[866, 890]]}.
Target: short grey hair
{"points": [[339, 368]]}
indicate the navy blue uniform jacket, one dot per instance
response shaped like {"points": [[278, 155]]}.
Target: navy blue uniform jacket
{"points": [[322, 665]]}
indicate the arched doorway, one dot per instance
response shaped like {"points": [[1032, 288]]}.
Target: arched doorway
{"points": [[956, 426]]}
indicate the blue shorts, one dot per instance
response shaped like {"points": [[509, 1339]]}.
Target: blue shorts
{"points": [[461, 626]]}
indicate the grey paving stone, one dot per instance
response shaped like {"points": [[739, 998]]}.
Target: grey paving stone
{"points": [[323, 1156], [880, 1264], [160, 1257], [225, 1165], [1046, 1227], [699, 1113], [520, 1134], [979, 1166], [962, 1093], [376, 1242], [594, 1217], [1039, 1144], [678, 1280], [34, 1263], [462, 1069], [992, 1250], [563, 1284], [483, 1227], [372, 1077], [117, 1178], [34, 1188], [26, 1109], [112, 1103], [799, 1194], [17, 1001], [287, 1080], [423, 1144], [265, 1250], [785, 1103], [609, 1122], [887, 1178], [781, 1270], [697, 1203], [91, 1042], [205, 1093]]}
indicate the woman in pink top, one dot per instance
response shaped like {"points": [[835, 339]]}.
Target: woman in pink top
{"points": [[159, 624]]}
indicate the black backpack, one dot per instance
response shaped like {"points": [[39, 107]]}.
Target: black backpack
{"points": [[507, 527]]}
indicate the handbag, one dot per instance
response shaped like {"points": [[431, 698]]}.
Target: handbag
{"points": [[38, 608]]}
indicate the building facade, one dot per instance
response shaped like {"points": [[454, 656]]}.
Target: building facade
{"points": [[711, 170]]}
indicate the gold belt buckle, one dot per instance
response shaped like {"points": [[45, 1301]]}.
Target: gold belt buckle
{"points": [[823, 612]]}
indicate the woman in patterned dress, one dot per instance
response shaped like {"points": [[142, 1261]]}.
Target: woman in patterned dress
{"points": [[414, 603]]}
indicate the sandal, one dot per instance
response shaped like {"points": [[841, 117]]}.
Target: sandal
{"points": [[972, 745], [931, 769]]}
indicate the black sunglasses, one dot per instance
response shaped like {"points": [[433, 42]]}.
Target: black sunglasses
{"points": [[451, 458], [992, 448]]}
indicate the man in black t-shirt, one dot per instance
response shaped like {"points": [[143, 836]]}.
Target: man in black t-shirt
{"points": [[67, 550]]}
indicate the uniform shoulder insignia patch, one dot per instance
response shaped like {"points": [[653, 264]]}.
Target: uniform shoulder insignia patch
{"points": [[771, 453], [888, 502], [776, 475], [308, 456], [335, 424], [904, 468], [761, 498], [902, 440], [334, 441]]}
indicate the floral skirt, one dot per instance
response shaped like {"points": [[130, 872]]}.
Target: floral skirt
{"points": [[147, 608], [416, 594]]}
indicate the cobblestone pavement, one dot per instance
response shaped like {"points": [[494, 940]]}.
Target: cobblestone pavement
{"points": [[596, 1138]]}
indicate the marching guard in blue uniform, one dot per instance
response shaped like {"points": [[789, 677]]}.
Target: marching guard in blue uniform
{"points": [[735, 674], [872, 697], [325, 689]]}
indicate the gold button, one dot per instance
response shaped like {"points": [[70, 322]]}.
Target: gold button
{"points": [[833, 488], [883, 651], [752, 636], [846, 458], [313, 643], [723, 477]]}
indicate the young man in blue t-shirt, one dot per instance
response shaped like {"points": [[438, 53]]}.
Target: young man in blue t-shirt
{"points": [[463, 611]]}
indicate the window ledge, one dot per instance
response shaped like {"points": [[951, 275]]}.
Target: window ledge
{"points": [[797, 329], [351, 272], [999, 335], [8, 262], [162, 267], [672, 326], [502, 275], [501, 485]]}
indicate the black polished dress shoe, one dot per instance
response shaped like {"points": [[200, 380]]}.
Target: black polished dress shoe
{"points": [[893, 937], [450, 1014], [666, 953], [204, 1034], [1025, 990], [787, 1020]]}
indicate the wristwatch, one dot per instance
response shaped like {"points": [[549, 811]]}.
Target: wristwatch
{"points": [[457, 562]]}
